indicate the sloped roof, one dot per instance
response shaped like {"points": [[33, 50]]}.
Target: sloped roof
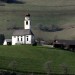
{"points": [[28, 14], [8, 40], [22, 32], [67, 42]]}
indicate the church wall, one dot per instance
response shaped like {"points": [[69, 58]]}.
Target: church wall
{"points": [[22, 39], [18, 40], [14, 40], [27, 26], [33, 39], [29, 41], [5, 42]]}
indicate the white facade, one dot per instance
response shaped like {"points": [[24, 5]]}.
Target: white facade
{"points": [[28, 39], [27, 23], [22, 39], [5, 42]]}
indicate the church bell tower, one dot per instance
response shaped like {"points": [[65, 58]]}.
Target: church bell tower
{"points": [[27, 22]]}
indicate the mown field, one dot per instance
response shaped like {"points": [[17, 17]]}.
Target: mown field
{"points": [[34, 58], [57, 12]]}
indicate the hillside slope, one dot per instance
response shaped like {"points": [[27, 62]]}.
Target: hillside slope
{"points": [[34, 58], [57, 12]]}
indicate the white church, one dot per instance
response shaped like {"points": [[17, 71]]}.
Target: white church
{"points": [[22, 36]]}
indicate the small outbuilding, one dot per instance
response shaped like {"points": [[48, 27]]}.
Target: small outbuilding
{"points": [[7, 42]]}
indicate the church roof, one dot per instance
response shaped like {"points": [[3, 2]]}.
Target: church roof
{"points": [[8, 40], [28, 15], [67, 42], [22, 32]]}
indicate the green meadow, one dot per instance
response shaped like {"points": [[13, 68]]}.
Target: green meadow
{"points": [[43, 12], [34, 58]]}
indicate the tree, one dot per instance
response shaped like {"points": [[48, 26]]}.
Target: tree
{"points": [[2, 37], [55, 28], [51, 28]]}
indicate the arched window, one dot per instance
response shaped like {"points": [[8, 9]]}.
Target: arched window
{"points": [[27, 38], [21, 39], [18, 38], [26, 22]]}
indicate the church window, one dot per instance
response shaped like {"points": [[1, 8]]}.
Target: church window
{"points": [[21, 38], [26, 22], [27, 38], [17, 38]]}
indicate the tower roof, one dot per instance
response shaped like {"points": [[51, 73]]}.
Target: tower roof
{"points": [[28, 15]]}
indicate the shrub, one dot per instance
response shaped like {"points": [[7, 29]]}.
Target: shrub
{"points": [[51, 28], [34, 44]]}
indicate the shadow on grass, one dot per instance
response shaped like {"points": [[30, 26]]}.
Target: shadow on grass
{"points": [[2, 4], [13, 1]]}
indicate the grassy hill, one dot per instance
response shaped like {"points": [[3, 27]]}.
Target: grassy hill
{"points": [[33, 59], [57, 12]]}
